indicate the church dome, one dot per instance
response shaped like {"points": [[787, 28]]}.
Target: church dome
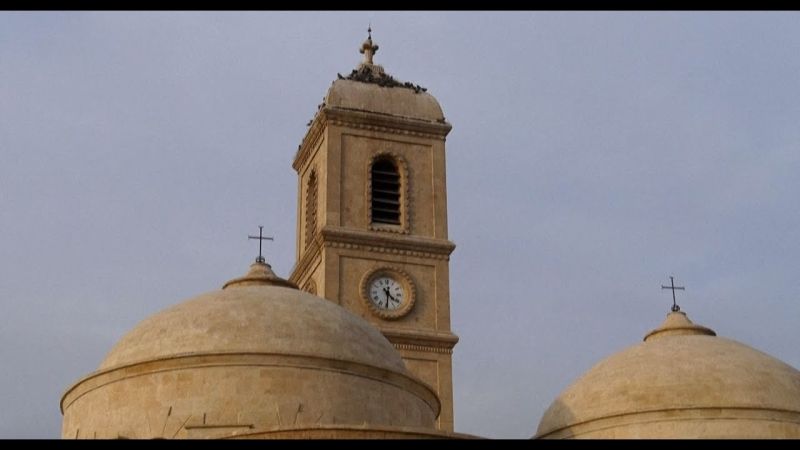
{"points": [[681, 382], [258, 355], [258, 313]]}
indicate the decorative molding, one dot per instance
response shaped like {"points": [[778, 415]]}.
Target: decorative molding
{"points": [[383, 129], [211, 426], [419, 340], [193, 360], [599, 425], [405, 189], [424, 348], [344, 238], [406, 245], [397, 274], [387, 123], [384, 249], [365, 120], [334, 431]]}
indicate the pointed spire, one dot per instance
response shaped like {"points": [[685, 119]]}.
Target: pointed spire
{"points": [[368, 49]]}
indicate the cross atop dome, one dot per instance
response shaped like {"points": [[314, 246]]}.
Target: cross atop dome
{"points": [[261, 238], [675, 307]]}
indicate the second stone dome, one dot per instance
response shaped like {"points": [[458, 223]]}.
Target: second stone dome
{"points": [[681, 382]]}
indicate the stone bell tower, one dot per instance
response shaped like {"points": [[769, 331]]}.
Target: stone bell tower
{"points": [[372, 215]]}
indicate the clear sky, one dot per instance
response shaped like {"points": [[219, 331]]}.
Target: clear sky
{"points": [[592, 156]]}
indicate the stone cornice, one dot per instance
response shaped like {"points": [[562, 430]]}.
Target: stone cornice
{"points": [[418, 340], [365, 120], [392, 243], [104, 377], [380, 242], [371, 431], [424, 348], [596, 428], [387, 123]]}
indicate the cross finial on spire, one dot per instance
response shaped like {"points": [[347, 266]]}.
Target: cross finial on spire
{"points": [[260, 238], [675, 307], [368, 49]]}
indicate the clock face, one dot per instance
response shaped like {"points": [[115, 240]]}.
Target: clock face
{"points": [[386, 293]]}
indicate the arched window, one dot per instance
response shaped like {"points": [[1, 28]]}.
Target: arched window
{"points": [[385, 192], [311, 207]]}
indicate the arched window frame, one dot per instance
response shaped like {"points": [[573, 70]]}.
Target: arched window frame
{"points": [[402, 169]]}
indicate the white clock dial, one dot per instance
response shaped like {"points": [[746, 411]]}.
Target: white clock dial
{"points": [[386, 293]]}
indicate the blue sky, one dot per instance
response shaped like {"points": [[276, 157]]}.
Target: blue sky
{"points": [[592, 156]]}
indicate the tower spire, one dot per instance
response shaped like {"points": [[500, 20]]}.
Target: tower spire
{"points": [[368, 49]]}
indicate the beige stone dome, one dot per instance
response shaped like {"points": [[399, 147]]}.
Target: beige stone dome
{"points": [[681, 382], [396, 101], [256, 318], [258, 355]]}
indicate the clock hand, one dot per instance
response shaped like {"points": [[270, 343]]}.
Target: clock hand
{"points": [[391, 298]]}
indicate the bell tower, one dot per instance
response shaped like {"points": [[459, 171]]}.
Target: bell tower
{"points": [[372, 215]]}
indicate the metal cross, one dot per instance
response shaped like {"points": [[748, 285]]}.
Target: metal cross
{"points": [[260, 238], [675, 307]]}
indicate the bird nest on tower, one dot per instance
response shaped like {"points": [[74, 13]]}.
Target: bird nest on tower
{"points": [[370, 73]]}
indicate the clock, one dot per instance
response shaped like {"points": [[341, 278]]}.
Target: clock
{"points": [[389, 292]]}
